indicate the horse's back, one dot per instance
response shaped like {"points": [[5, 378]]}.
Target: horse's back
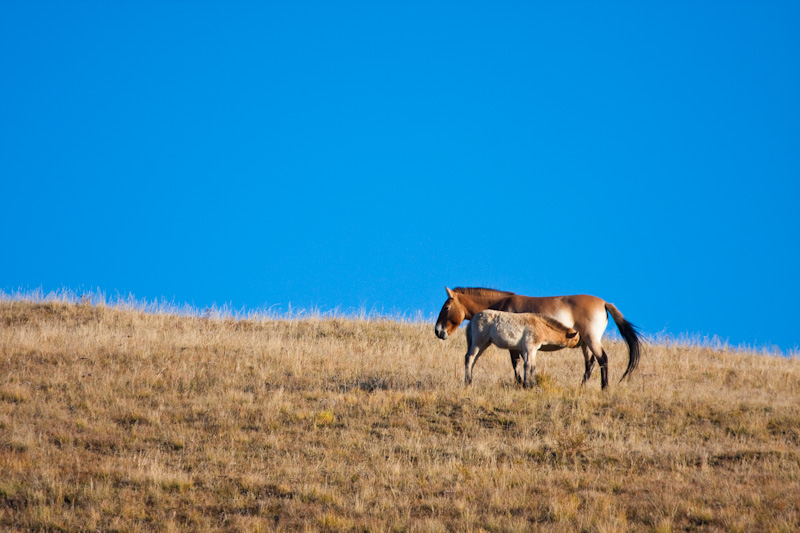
{"points": [[573, 310], [544, 304]]}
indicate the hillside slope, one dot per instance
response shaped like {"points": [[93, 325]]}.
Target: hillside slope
{"points": [[116, 419]]}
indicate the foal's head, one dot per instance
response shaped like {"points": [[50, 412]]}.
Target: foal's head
{"points": [[451, 315]]}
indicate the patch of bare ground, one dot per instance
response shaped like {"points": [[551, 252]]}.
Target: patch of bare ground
{"points": [[115, 419]]}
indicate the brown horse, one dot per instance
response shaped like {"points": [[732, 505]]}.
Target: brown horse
{"points": [[588, 315]]}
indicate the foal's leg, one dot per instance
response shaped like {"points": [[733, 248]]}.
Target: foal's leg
{"points": [[470, 359], [529, 356], [516, 364]]}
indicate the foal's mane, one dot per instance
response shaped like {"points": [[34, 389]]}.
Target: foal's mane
{"points": [[553, 323], [481, 291]]}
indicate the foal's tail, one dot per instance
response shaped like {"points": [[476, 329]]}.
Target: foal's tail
{"points": [[631, 336]]}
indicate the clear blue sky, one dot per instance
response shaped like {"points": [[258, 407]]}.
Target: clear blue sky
{"points": [[366, 154]]}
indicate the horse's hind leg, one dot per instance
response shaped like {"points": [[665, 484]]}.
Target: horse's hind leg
{"points": [[588, 358], [529, 356], [598, 353], [603, 360], [517, 365]]}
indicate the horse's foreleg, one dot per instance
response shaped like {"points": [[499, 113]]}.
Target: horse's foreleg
{"points": [[516, 364], [588, 358]]}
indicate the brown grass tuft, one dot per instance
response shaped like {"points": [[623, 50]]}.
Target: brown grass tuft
{"points": [[116, 419]]}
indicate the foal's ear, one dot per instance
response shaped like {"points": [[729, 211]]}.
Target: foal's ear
{"points": [[450, 293], [571, 333]]}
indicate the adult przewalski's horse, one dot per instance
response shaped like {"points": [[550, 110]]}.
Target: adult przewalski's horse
{"points": [[588, 315]]}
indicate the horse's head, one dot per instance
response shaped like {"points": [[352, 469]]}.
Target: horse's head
{"points": [[451, 315]]}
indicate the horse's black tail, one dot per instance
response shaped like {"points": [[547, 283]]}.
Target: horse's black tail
{"points": [[631, 336]]}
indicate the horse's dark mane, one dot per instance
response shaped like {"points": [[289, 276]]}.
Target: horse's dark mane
{"points": [[481, 291]]}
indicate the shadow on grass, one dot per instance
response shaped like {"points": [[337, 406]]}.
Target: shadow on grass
{"points": [[380, 383]]}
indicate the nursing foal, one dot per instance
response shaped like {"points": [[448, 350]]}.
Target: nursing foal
{"points": [[524, 332]]}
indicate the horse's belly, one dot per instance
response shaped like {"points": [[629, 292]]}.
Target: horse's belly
{"points": [[503, 344], [507, 336]]}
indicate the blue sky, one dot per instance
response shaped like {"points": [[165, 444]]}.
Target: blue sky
{"points": [[366, 154]]}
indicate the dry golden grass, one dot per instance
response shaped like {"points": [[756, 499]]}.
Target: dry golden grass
{"points": [[116, 419]]}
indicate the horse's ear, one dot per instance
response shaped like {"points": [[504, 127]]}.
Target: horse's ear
{"points": [[571, 333], [450, 293]]}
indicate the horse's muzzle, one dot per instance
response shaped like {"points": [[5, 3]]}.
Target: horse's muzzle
{"points": [[440, 332]]}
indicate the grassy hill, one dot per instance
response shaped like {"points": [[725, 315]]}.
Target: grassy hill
{"points": [[117, 419]]}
